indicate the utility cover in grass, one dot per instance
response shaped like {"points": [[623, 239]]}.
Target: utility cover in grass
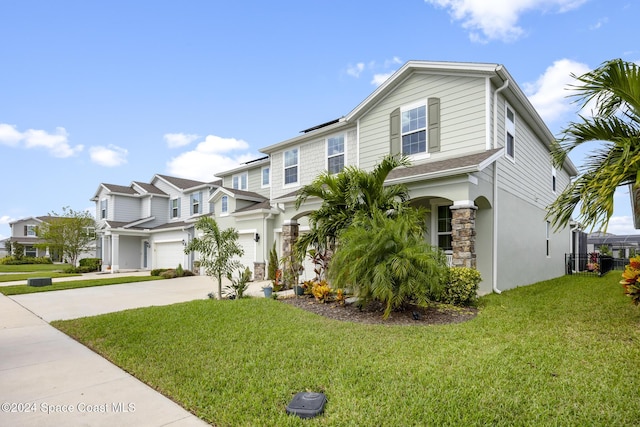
{"points": [[307, 404]]}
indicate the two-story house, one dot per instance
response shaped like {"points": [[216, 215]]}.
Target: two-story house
{"points": [[480, 164], [24, 232], [146, 225]]}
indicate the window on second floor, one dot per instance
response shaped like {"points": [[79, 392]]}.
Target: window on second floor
{"points": [[291, 167], [414, 130], [175, 208], [30, 230], [240, 181], [103, 209], [554, 181], [444, 228], [510, 125], [196, 203], [224, 203], [266, 177], [335, 154]]}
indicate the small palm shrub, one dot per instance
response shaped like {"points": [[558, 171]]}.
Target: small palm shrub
{"points": [[272, 268], [239, 285], [461, 287], [385, 258]]}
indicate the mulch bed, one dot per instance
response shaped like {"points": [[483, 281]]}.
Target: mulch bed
{"points": [[435, 314]]}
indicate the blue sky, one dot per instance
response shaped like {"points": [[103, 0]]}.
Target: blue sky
{"points": [[115, 91]]}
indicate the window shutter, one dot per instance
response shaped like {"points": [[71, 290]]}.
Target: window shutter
{"points": [[434, 124], [191, 198], [179, 200], [25, 230], [394, 132]]}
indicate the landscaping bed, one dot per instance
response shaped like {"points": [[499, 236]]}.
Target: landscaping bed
{"points": [[434, 314]]}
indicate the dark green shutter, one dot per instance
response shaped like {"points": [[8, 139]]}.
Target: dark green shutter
{"points": [[394, 132], [434, 124]]}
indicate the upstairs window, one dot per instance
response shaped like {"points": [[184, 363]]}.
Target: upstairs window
{"points": [[175, 208], [414, 130], [335, 154], [510, 125], [224, 203], [196, 202], [444, 228], [30, 230], [291, 167], [240, 181], [103, 209], [553, 180], [266, 177]]}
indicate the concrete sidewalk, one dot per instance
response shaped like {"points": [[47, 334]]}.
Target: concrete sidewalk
{"points": [[48, 379]]}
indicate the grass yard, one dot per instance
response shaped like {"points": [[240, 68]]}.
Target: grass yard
{"points": [[561, 352], [14, 277], [73, 284], [32, 267]]}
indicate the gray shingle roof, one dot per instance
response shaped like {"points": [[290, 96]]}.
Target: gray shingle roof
{"points": [[119, 189], [150, 188], [181, 183], [443, 166]]}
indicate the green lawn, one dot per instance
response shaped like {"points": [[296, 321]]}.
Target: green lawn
{"points": [[32, 267], [561, 352], [73, 284]]}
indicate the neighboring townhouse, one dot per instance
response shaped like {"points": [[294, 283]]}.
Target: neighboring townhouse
{"points": [[24, 232], [147, 225], [480, 165]]}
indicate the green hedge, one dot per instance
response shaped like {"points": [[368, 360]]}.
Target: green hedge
{"points": [[10, 260]]}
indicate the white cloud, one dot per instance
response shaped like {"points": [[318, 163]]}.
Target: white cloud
{"points": [[497, 19], [621, 225], [6, 219], [378, 79], [208, 158], [109, 156], [599, 24], [355, 70], [550, 93], [175, 140], [9, 135], [56, 143]]}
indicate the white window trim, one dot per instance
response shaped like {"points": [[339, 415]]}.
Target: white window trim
{"points": [[240, 176], [554, 181], [224, 213], [31, 228], [177, 208], [106, 208], [435, 204], [422, 103], [194, 199], [262, 184], [284, 168], [508, 107], [344, 150]]}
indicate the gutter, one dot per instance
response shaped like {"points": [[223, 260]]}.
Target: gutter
{"points": [[495, 186]]}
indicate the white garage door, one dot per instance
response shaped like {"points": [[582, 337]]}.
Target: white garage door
{"points": [[169, 255], [246, 242]]}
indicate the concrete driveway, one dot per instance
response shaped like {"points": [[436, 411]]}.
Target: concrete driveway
{"points": [[48, 379]]}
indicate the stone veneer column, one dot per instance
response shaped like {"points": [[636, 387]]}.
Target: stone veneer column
{"points": [[290, 232], [463, 235], [258, 270]]}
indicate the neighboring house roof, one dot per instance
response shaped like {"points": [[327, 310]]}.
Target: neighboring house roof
{"points": [[240, 194], [181, 183], [614, 240], [150, 188], [454, 166]]}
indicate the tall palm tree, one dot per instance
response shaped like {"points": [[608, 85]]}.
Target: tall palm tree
{"points": [[217, 249], [614, 87], [344, 195]]}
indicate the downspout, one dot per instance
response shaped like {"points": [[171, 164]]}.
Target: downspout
{"points": [[495, 188]]}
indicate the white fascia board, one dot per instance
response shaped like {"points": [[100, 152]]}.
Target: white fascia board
{"points": [[309, 135], [434, 175]]}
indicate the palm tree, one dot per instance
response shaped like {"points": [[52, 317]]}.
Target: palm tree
{"points": [[217, 249], [345, 194], [386, 259], [614, 87]]}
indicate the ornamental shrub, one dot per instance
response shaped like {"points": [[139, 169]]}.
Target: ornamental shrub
{"points": [[630, 280], [92, 264], [158, 271], [461, 287]]}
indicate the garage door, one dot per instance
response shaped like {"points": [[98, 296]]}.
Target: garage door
{"points": [[249, 246], [169, 255]]}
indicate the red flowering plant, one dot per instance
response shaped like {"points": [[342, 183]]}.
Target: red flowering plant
{"points": [[630, 278]]}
